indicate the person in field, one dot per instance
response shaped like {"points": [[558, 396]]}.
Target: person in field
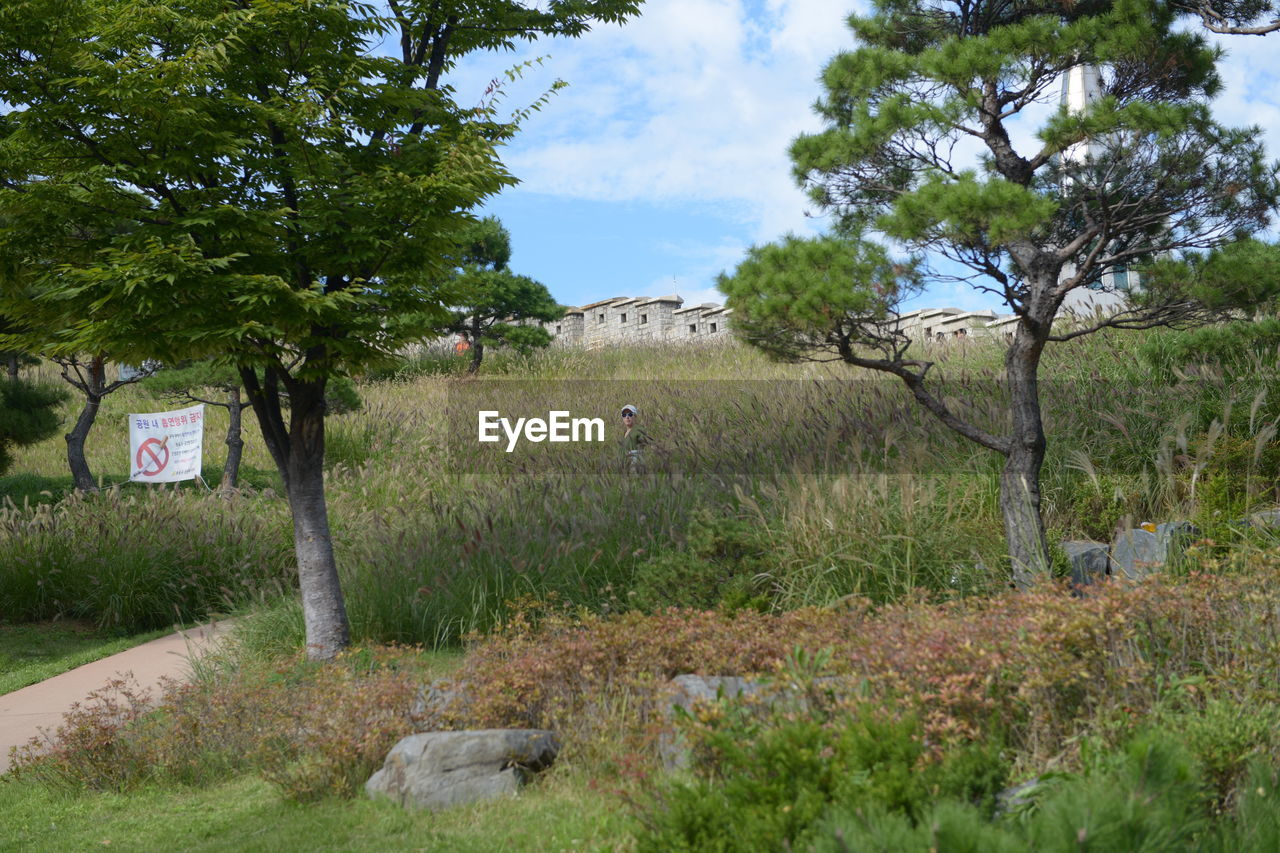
{"points": [[634, 440]]}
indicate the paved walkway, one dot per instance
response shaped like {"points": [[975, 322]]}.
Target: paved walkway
{"points": [[41, 706]]}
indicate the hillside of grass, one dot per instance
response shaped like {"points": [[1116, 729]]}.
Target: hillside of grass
{"points": [[807, 524], [775, 486]]}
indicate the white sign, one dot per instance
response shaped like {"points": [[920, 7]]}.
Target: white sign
{"points": [[165, 447]]}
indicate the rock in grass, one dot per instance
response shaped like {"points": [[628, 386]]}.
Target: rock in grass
{"points": [[1138, 553], [689, 691], [436, 770], [1016, 797], [1090, 561], [708, 688], [1267, 519]]}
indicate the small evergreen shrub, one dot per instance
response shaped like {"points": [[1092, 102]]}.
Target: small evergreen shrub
{"points": [[718, 567], [1148, 795], [763, 783]]}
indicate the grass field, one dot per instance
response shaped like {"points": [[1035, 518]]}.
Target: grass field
{"points": [[245, 813], [837, 477]]}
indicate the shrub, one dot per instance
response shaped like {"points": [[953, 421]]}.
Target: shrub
{"points": [[1035, 668], [1225, 736], [28, 414], [719, 566], [313, 731], [1236, 346], [89, 748], [1148, 795], [763, 783]]}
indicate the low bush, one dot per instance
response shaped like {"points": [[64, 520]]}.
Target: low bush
{"points": [[763, 782], [1238, 346], [1224, 736], [720, 565], [1037, 668], [1149, 795], [311, 730]]}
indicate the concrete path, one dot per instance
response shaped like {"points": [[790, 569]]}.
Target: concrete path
{"points": [[41, 706]]}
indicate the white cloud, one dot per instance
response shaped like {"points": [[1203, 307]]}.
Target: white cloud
{"points": [[695, 101], [1251, 89], [699, 265]]}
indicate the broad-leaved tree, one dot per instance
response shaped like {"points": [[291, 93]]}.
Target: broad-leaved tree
{"points": [[275, 182]]}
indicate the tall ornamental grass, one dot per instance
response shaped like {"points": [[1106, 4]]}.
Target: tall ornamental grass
{"points": [[143, 560], [822, 483]]}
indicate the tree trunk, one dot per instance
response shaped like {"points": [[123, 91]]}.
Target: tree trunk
{"points": [[1020, 479], [323, 609], [235, 444], [81, 476], [299, 455], [11, 365], [477, 355]]}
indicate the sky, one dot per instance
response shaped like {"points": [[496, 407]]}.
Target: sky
{"points": [[665, 157]]}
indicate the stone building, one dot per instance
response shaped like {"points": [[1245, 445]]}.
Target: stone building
{"points": [[940, 325], [568, 330], [623, 320], [655, 320]]}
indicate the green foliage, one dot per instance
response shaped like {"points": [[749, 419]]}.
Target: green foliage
{"points": [[1150, 796], [1098, 505], [719, 567], [28, 414], [341, 397], [1242, 276], [1226, 737], [789, 298], [272, 231], [185, 379], [765, 786], [1147, 796], [489, 301], [1257, 823], [1231, 347]]}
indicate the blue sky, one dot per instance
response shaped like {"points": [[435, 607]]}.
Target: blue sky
{"points": [[665, 157]]}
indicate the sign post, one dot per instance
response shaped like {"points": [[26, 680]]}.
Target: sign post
{"points": [[166, 447]]}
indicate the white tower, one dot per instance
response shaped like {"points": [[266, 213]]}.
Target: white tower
{"points": [[1080, 88]]}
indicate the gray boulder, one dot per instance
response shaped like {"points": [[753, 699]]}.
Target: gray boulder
{"points": [[1090, 561], [1267, 519], [690, 690], [1138, 553], [1016, 797], [436, 770]]}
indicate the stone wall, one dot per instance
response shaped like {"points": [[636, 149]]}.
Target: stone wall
{"points": [[649, 320], [625, 320]]}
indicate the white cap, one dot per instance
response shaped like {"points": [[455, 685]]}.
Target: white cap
{"points": [[630, 408]]}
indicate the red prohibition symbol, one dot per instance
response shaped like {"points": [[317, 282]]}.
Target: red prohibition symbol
{"points": [[152, 456]]}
